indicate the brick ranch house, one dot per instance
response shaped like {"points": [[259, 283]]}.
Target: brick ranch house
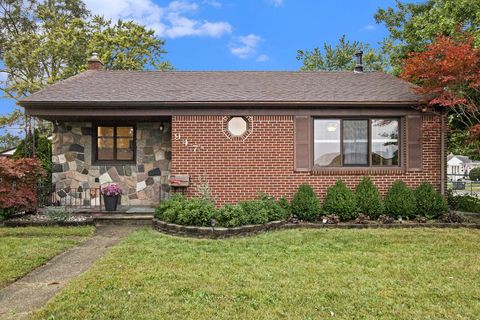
{"points": [[242, 132]]}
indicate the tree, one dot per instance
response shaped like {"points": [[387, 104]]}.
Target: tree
{"points": [[8, 141], [448, 72], [340, 57], [42, 42], [412, 26]]}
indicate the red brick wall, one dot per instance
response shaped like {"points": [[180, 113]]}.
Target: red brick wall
{"points": [[238, 169]]}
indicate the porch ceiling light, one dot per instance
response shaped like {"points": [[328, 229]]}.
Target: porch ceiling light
{"points": [[332, 127]]}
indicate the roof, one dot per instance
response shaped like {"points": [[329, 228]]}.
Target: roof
{"points": [[463, 159], [226, 86]]}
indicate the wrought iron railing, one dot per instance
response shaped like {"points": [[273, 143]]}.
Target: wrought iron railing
{"points": [[78, 198]]}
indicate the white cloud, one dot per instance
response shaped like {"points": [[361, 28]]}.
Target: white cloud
{"points": [[369, 27], [172, 21], [246, 46], [276, 3], [213, 3], [3, 76], [262, 58]]}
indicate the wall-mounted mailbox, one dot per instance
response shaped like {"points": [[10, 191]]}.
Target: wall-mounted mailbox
{"points": [[179, 180]]}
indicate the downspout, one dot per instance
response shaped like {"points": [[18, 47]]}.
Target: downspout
{"points": [[442, 152]]}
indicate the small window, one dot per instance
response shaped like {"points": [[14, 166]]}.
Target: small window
{"points": [[115, 143], [237, 126], [356, 142]]}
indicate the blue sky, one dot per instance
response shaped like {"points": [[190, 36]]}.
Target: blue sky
{"points": [[244, 34]]}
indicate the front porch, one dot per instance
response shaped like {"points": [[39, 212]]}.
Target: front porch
{"points": [[135, 155]]}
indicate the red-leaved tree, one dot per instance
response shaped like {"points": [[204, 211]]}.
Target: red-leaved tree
{"points": [[18, 180], [448, 71]]}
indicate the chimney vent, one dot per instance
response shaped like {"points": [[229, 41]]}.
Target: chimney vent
{"points": [[94, 62], [359, 59]]}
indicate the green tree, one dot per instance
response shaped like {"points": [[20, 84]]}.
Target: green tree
{"points": [[413, 25], [42, 42], [8, 140], [340, 57]]}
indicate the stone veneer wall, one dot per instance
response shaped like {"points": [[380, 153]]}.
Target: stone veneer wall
{"points": [[143, 184]]}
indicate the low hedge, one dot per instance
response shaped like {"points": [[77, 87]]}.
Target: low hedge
{"points": [[466, 203], [199, 212]]}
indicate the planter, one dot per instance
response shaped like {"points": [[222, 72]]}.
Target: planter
{"points": [[110, 202]]}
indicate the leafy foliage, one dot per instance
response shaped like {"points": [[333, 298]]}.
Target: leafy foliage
{"points": [[465, 203], [369, 199], [341, 201], [414, 25], [400, 201], [448, 70], [58, 214], [474, 174], [181, 210], [305, 204], [340, 57], [17, 185], [199, 212], [430, 203], [8, 141], [43, 152], [42, 42]]}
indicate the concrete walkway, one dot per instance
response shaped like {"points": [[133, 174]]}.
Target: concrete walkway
{"points": [[34, 290]]}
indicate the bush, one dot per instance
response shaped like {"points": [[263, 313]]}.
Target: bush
{"points": [[368, 198], [58, 214], [340, 200], [466, 203], [305, 204], [180, 210], [400, 201], [231, 215], [474, 174], [18, 185], [283, 202], [429, 202], [256, 212]]}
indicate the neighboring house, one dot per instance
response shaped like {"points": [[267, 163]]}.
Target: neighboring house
{"points": [[457, 167], [471, 165], [240, 132], [7, 153]]}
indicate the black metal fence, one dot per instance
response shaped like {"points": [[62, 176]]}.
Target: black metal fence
{"points": [[74, 198], [460, 184]]}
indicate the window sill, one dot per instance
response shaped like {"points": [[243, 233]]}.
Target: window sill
{"points": [[114, 163], [357, 170]]}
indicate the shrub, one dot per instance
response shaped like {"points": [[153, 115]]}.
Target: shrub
{"points": [[180, 210], [474, 174], [231, 215], [17, 185], [58, 214], [467, 203], [400, 201], [305, 204], [430, 203], [340, 200], [256, 212], [368, 198], [283, 202]]}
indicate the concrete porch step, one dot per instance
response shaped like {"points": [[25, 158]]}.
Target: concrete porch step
{"points": [[122, 218]]}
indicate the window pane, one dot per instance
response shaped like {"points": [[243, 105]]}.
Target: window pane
{"points": [[105, 149], [105, 131], [124, 149], [355, 142], [125, 132], [384, 142], [327, 143]]}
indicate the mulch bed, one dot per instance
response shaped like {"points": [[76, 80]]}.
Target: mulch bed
{"points": [[39, 220]]}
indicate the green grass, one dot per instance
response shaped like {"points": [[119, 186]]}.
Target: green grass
{"points": [[23, 249], [294, 274]]}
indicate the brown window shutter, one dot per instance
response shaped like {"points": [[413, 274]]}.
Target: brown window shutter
{"points": [[302, 143], [414, 143]]}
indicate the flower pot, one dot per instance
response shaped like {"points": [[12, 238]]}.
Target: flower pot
{"points": [[110, 202]]}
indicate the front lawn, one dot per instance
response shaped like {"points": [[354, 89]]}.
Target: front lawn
{"points": [[23, 249], [294, 274]]}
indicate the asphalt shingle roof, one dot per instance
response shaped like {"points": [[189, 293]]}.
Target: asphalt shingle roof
{"points": [[227, 86]]}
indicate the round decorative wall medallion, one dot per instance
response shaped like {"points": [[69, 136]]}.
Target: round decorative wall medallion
{"points": [[237, 127]]}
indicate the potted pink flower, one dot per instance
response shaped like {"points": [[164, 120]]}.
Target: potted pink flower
{"points": [[110, 194]]}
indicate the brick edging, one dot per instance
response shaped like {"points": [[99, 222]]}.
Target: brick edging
{"points": [[219, 233], [23, 223]]}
